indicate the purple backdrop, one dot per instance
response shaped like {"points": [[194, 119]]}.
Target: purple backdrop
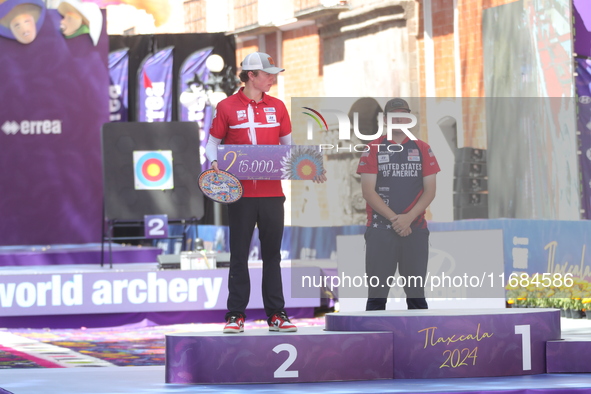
{"points": [[582, 17], [55, 102]]}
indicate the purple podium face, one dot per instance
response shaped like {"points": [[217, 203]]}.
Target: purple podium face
{"points": [[422, 344], [446, 343], [310, 355]]}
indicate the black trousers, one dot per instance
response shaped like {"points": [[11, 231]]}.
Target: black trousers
{"points": [[384, 252], [267, 213]]}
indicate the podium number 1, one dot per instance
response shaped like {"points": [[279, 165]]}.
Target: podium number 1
{"points": [[282, 371], [523, 330]]}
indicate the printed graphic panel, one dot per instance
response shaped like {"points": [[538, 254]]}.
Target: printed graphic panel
{"points": [[153, 170]]}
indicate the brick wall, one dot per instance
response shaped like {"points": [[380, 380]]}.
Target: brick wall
{"points": [[244, 48], [300, 5], [194, 16], [303, 63], [443, 43], [246, 13]]}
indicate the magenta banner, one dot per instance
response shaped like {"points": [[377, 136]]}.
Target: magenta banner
{"points": [[155, 87], [582, 21], [582, 45], [119, 87], [55, 102], [583, 84]]}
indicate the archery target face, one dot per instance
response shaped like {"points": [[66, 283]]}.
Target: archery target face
{"points": [[153, 170]]}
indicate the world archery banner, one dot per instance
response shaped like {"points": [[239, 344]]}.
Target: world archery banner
{"points": [[583, 82], [194, 104], [118, 89], [153, 170], [155, 87]]}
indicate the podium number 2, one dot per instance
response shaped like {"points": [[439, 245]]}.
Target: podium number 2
{"points": [[523, 330], [156, 226], [282, 371]]}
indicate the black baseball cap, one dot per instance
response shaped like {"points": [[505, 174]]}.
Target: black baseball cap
{"points": [[396, 103]]}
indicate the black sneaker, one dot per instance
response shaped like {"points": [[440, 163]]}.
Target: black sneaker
{"points": [[234, 324], [280, 322]]}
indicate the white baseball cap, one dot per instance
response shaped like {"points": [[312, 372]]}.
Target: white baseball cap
{"points": [[260, 61]]}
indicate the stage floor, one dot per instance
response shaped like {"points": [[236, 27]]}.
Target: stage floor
{"points": [[115, 380], [112, 380]]}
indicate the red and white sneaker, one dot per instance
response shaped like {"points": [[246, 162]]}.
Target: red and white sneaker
{"points": [[234, 324], [280, 322]]}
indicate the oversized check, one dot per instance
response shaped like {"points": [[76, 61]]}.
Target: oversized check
{"points": [[293, 162]]}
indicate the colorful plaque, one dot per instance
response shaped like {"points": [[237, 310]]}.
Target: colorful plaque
{"points": [[220, 186], [291, 162]]}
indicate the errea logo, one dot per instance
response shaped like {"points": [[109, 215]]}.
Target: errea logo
{"points": [[32, 127]]}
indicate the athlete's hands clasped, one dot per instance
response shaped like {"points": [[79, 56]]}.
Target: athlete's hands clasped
{"points": [[401, 224]]}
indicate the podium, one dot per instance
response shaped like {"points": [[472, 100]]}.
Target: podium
{"points": [[260, 356], [371, 345]]}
